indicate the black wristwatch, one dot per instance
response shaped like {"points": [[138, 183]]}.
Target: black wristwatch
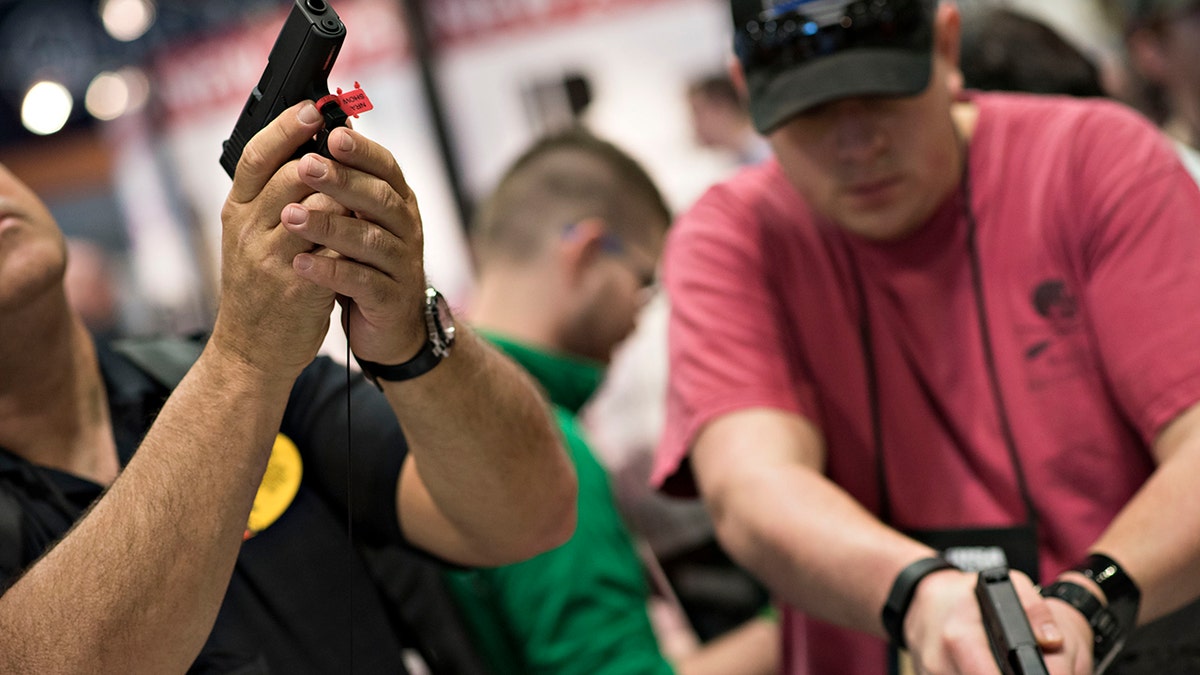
{"points": [[439, 324], [1111, 623]]}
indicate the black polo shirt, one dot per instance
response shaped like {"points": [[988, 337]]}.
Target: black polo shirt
{"points": [[301, 599]]}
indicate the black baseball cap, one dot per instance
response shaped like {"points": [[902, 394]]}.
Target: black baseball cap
{"points": [[798, 54]]}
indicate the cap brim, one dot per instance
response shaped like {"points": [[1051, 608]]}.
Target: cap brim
{"points": [[777, 96]]}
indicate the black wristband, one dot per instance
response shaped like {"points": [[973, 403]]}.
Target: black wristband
{"points": [[1076, 596], [424, 361], [1119, 589], [1122, 597], [903, 589]]}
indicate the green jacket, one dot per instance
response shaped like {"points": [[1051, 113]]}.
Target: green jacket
{"points": [[580, 608]]}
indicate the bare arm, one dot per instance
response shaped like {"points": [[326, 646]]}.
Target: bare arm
{"points": [[1156, 537], [752, 648], [487, 482], [136, 585], [808, 540], [819, 549]]}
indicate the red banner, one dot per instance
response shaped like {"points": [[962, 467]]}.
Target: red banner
{"points": [[455, 22], [220, 70]]}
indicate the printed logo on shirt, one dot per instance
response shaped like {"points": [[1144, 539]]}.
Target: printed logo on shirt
{"points": [[1056, 303], [1053, 341], [279, 486]]}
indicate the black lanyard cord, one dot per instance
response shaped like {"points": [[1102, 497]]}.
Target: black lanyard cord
{"points": [[1010, 441], [866, 345], [351, 551]]}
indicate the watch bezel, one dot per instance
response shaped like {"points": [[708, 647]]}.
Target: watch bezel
{"points": [[439, 322]]}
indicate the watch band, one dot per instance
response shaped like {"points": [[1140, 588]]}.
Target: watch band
{"points": [[1108, 633], [901, 595], [1120, 591], [440, 333], [424, 361], [1123, 598], [1076, 596]]}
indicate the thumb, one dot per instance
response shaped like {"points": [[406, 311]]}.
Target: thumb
{"points": [[1045, 627]]}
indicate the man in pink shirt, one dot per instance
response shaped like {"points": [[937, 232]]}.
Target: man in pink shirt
{"points": [[943, 331]]}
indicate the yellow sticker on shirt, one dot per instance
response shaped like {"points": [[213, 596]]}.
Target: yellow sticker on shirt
{"points": [[279, 485]]}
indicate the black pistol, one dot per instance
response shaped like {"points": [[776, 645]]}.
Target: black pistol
{"points": [[297, 69], [1015, 649]]}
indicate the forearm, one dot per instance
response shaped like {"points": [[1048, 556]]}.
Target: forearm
{"points": [[138, 582], [495, 484], [760, 472], [752, 648], [814, 546], [1156, 537]]}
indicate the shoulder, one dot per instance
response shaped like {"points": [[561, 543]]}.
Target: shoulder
{"points": [[732, 221], [1083, 128], [761, 192]]}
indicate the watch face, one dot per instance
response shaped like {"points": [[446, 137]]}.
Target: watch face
{"points": [[441, 322]]}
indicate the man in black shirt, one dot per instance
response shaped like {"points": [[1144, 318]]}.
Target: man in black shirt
{"points": [[139, 582]]}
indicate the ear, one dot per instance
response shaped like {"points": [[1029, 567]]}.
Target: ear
{"points": [[1146, 55], [581, 244], [738, 76], [947, 37]]}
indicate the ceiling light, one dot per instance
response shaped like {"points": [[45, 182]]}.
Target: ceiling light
{"points": [[46, 108], [107, 96], [127, 20]]}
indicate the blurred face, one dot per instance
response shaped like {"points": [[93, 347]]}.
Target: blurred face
{"points": [[1179, 42], [712, 125], [32, 250], [879, 166], [619, 284]]}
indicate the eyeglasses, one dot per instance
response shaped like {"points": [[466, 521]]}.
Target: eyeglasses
{"points": [[647, 277], [799, 31], [616, 247]]}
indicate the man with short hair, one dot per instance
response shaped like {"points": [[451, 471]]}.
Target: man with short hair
{"points": [[184, 557], [566, 248], [945, 329]]}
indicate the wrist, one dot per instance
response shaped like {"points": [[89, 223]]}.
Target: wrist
{"points": [[235, 367], [1108, 599], [1079, 579], [903, 589]]}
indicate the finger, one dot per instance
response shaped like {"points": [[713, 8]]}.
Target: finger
{"points": [[342, 276], [359, 152], [366, 194], [317, 201], [352, 237], [271, 148], [1041, 619], [262, 212]]}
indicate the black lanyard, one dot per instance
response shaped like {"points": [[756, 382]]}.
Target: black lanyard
{"points": [[868, 352]]}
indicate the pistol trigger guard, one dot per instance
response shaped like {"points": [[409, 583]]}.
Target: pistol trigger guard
{"points": [[335, 117]]}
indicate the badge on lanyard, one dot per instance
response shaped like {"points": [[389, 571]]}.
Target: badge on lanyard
{"points": [[279, 486], [981, 548]]}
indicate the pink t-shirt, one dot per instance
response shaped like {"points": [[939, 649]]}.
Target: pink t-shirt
{"points": [[1088, 241]]}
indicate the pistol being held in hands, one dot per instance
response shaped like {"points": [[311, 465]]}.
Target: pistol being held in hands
{"points": [[297, 69], [1013, 644]]}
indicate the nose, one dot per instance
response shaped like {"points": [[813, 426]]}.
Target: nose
{"points": [[857, 130]]}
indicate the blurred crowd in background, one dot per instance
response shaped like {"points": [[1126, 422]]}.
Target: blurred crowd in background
{"points": [[461, 87]]}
